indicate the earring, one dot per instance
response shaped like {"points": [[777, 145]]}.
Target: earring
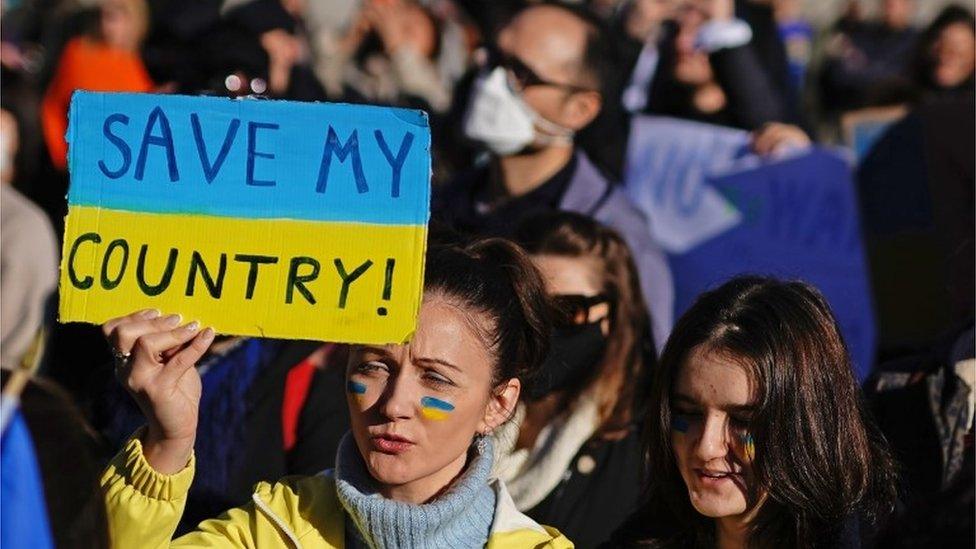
{"points": [[481, 442]]}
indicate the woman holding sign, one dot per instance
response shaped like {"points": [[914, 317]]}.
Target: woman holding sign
{"points": [[413, 471], [756, 435]]}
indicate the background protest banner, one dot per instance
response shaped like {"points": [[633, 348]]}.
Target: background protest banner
{"points": [[259, 218], [721, 212]]}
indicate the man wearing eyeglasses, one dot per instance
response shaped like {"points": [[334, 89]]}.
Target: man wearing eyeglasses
{"points": [[540, 84]]}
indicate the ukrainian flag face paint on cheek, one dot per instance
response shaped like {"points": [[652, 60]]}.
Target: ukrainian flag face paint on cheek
{"points": [[435, 408], [357, 390], [747, 447]]}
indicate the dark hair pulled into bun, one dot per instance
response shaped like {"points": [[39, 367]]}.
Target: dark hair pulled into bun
{"points": [[496, 278]]}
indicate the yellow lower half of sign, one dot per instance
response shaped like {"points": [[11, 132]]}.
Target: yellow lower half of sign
{"points": [[342, 282]]}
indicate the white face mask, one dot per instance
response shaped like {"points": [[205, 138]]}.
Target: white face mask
{"points": [[500, 119]]}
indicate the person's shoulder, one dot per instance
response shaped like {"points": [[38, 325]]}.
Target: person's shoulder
{"points": [[618, 201], [23, 223], [594, 191], [18, 209], [511, 528]]}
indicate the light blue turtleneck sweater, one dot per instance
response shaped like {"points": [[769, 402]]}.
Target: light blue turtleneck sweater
{"points": [[460, 517]]}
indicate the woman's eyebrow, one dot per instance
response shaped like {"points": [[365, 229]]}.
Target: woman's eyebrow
{"points": [[740, 408], [731, 408], [374, 350], [440, 361]]}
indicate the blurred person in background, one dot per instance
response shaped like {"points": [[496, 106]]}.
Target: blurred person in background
{"points": [[916, 193], [756, 435], [868, 63], [571, 455], [946, 58], [925, 404], [541, 83], [28, 260], [797, 36], [104, 56], [396, 52], [109, 60], [21, 62], [710, 70], [70, 456], [640, 31], [232, 47], [763, 17]]}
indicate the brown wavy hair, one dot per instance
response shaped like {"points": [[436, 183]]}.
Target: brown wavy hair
{"points": [[617, 379], [820, 461]]}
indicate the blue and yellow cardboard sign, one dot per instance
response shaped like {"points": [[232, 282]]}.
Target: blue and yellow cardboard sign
{"points": [[259, 218]]}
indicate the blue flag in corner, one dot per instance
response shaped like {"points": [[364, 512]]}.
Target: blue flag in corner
{"points": [[23, 514]]}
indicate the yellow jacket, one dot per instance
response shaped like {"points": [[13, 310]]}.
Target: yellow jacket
{"points": [[145, 506]]}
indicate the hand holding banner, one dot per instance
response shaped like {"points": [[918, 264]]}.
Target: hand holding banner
{"points": [[259, 218]]}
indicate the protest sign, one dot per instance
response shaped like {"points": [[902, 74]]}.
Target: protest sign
{"points": [[255, 217], [682, 210], [794, 218]]}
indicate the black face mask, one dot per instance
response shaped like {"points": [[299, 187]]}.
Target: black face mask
{"points": [[574, 354]]}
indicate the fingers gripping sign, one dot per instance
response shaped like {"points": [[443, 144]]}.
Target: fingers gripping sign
{"points": [[775, 138], [159, 374]]}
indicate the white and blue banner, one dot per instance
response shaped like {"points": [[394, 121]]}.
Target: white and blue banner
{"points": [[720, 211]]}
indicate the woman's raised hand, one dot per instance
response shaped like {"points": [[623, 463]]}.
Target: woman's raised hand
{"points": [[154, 361]]}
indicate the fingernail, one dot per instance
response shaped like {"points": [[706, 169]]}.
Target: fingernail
{"points": [[172, 320], [150, 313], [208, 333], [192, 327]]}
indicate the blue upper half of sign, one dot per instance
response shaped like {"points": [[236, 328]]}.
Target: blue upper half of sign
{"points": [[249, 158]]}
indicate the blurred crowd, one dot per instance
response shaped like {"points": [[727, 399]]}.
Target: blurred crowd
{"points": [[530, 106]]}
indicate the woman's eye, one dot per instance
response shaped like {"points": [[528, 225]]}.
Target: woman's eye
{"points": [[371, 366], [436, 378]]}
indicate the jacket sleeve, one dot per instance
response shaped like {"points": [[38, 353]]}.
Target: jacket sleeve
{"points": [[752, 96], [559, 541], [144, 506]]}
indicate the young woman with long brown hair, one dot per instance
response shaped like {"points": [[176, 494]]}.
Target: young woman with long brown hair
{"points": [[756, 435]]}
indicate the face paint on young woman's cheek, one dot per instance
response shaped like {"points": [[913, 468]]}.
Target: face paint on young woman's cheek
{"points": [[357, 390], [748, 447], [435, 408]]}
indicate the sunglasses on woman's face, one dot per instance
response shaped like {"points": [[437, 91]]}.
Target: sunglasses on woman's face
{"points": [[574, 309], [520, 75]]}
